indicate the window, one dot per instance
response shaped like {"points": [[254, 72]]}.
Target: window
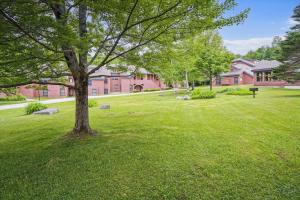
{"points": [[115, 76], [268, 76], [62, 91], [218, 80], [236, 80], [105, 81], [94, 92], [45, 93], [258, 76], [90, 82], [105, 91], [71, 80], [149, 77]]}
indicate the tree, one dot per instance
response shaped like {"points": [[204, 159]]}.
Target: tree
{"points": [[290, 69], [272, 52], [212, 61], [56, 38], [38, 88], [176, 62]]}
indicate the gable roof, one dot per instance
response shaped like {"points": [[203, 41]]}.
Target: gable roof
{"points": [[105, 71], [248, 62], [236, 73], [266, 65], [233, 73], [251, 66]]}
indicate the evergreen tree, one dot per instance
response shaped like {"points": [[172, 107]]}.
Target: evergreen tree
{"points": [[290, 70]]}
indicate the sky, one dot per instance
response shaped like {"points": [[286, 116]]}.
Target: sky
{"points": [[267, 18]]}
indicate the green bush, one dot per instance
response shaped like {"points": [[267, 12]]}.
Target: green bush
{"points": [[151, 90], [13, 98], [224, 90], [238, 91], [33, 107], [92, 103], [198, 94]]}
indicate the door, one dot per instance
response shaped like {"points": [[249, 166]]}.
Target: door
{"points": [[236, 80], [115, 84]]}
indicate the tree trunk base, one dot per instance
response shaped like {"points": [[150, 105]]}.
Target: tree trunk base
{"points": [[79, 133]]}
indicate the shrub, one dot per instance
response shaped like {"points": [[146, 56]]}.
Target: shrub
{"points": [[33, 107], [224, 90], [198, 94], [92, 103], [13, 98], [151, 90], [239, 91]]}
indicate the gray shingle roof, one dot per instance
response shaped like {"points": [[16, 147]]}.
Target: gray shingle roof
{"points": [[233, 73], [266, 65], [244, 60], [108, 71], [251, 66]]}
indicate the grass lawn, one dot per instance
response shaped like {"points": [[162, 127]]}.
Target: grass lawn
{"points": [[157, 147], [10, 102]]}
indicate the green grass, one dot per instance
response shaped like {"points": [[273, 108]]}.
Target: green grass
{"points": [[157, 147], [10, 102]]}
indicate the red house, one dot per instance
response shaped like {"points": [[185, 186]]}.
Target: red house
{"points": [[103, 81], [256, 72], [263, 75], [240, 73]]}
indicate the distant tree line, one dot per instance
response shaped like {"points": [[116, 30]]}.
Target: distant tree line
{"points": [[272, 52]]}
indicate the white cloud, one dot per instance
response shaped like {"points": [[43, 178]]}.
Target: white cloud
{"points": [[291, 22], [243, 46], [288, 24]]}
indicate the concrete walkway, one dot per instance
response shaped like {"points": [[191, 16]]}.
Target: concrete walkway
{"points": [[51, 101]]}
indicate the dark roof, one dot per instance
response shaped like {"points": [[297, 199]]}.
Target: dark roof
{"points": [[233, 73], [249, 62], [108, 71], [265, 65], [236, 73]]}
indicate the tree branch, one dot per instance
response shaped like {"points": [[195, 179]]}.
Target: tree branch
{"points": [[126, 28], [118, 38], [69, 53], [137, 46], [35, 82], [82, 33], [16, 24]]}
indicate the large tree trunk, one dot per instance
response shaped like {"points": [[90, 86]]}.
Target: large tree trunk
{"points": [[82, 126], [78, 67]]}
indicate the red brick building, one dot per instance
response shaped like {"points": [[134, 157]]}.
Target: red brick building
{"points": [[103, 81], [240, 74], [256, 72], [263, 75]]}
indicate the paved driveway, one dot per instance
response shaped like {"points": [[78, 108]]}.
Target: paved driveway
{"points": [[51, 101]]}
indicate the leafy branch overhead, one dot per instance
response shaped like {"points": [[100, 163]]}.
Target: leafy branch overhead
{"points": [[52, 32], [52, 38]]}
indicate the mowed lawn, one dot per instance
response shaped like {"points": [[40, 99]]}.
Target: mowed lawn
{"points": [[157, 147], [10, 102]]}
